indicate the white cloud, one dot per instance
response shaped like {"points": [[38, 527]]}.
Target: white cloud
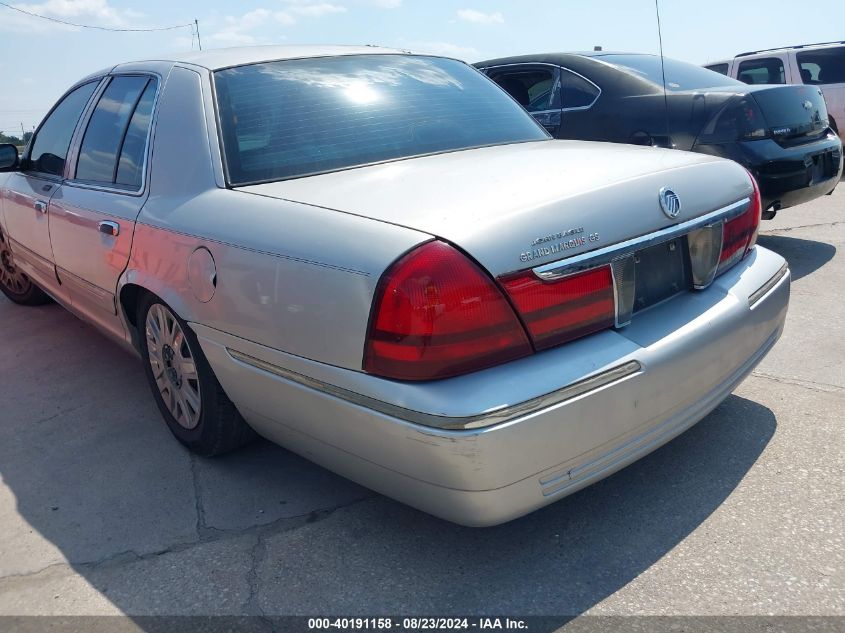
{"points": [[240, 30], [388, 4], [478, 17], [446, 49], [316, 10], [93, 12], [237, 30]]}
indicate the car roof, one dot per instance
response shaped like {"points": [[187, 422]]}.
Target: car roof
{"points": [[792, 48], [554, 58], [218, 58]]}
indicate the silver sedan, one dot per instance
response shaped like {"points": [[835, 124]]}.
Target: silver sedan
{"points": [[380, 261]]}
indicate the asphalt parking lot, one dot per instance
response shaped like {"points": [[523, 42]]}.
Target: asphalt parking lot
{"points": [[102, 512]]}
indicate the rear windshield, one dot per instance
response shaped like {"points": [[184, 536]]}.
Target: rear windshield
{"points": [[823, 66], [298, 117], [800, 108], [679, 75]]}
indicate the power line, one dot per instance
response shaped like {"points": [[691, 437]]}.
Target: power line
{"points": [[91, 26]]}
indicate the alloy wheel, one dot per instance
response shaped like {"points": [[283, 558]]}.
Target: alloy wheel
{"points": [[174, 369], [11, 277]]}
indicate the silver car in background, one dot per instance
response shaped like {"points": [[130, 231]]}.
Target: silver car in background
{"points": [[380, 261]]}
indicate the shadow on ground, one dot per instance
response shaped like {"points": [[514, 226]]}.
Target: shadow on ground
{"points": [[94, 471], [803, 256]]}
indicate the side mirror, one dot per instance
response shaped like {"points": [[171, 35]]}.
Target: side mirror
{"points": [[9, 159]]}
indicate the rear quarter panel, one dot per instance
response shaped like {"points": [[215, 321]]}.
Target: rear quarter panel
{"points": [[289, 276]]}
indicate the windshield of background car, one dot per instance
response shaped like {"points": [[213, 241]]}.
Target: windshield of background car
{"points": [[679, 75], [823, 66], [293, 118]]}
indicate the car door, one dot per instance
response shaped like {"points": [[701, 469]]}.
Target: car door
{"points": [[28, 191], [93, 213], [536, 87]]}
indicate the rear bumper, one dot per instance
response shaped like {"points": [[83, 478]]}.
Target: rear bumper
{"points": [[692, 351], [788, 176]]}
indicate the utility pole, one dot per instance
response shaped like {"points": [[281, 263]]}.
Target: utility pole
{"points": [[22, 132], [197, 25]]}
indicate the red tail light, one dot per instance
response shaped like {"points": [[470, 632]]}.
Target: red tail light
{"points": [[561, 310], [740, 234], [436, 314]]}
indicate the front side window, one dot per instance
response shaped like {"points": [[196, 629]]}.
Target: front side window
{"points": [[823, 66], [577, 92], [762, 71], [293, 118], [109, 129], [49, 150]]}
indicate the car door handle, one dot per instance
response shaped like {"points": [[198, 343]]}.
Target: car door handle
{"points": [[41, 205], [109, 228]]}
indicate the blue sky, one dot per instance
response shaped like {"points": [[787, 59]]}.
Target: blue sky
{"points": [[40, 59]]}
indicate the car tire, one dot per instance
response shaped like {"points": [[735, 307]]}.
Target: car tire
{"points": [[188, 394], [14, 283]]}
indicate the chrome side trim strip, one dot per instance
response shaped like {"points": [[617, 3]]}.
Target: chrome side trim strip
{"points": [[497, 416], [762, 290], [606, 255]]}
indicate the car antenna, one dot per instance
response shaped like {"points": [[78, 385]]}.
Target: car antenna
{"points": [[663, 74]]}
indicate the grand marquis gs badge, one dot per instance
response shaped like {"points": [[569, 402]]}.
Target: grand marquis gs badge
{"points": [[557, 242]]}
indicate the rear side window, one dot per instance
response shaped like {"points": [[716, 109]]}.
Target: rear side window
{"points": [[109, 127], [722, 69], [533, 88], [822, 66], [762, 71], [577, 92], [293, 118], [49, 151], [131, 163]]}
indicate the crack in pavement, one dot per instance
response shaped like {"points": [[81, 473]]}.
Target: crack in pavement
{"points": [[252, 606], [789, 229], [210, 535], [798, 382], [201, 526]]}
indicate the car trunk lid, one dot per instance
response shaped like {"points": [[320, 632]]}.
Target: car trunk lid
{"points": [[519, 206], [792, 113]]}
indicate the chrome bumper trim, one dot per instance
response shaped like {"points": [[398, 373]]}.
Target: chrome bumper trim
{"points": [[762, 290], [606, 255], [489, 418]]}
